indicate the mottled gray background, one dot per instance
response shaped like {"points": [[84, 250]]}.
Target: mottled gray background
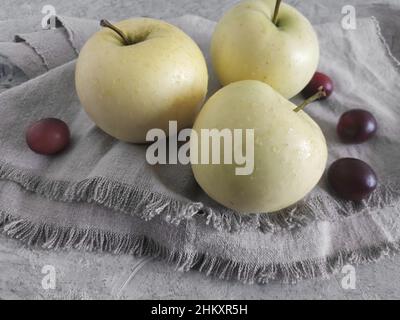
{"points": [[104, 276]]}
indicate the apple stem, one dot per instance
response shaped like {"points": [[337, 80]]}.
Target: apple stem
{"points": [[276, 11], [321, 93], [108, 24]]}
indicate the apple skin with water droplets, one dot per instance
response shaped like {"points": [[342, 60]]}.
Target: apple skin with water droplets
{"points": [[290, 151], [247, 45], [48, 136], [127, 90]]}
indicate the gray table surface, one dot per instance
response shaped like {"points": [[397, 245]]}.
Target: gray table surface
{"points": [[81, 275]]}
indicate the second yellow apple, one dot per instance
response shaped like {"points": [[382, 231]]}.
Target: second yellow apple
{"points": [[248, 45]]}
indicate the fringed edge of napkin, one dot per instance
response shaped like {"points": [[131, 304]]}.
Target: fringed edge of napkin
{"points": [[48, 236], [145, 204]]}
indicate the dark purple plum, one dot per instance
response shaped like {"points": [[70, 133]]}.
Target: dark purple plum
{"points": [[48, 136], [356, 126], [352, 179], [318, 80]]}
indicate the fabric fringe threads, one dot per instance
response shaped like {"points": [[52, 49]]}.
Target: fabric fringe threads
{"points": [[145, 204], [59, 238]]}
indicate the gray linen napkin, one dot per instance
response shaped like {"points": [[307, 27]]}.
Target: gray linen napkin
{"points": [[102, 195]]}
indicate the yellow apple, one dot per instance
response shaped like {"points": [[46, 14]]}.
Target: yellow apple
{"points": [[290, 151], [248, 45], [139, 74]]}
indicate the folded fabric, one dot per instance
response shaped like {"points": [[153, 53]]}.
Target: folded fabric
{"points": [[101, 194]]}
